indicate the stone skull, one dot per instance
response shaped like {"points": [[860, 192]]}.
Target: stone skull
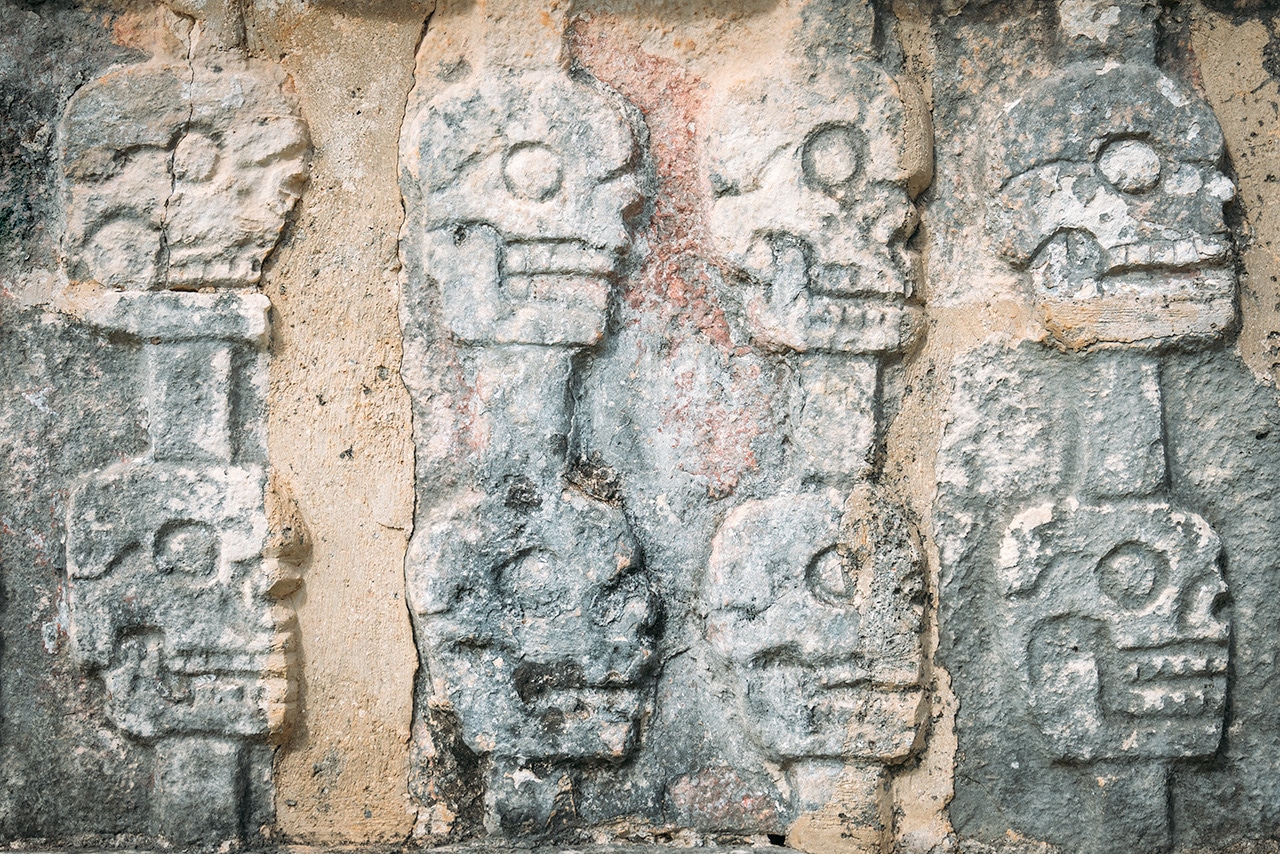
{"points": [[1120, 608], [826, 655], [169, 600], [527, 189], [812, 183], [1110, 187], [180, 177], [539, 625]]}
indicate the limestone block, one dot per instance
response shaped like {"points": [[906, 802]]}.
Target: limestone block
{"points": [[178, 179], [802, 623], [527, 184]]}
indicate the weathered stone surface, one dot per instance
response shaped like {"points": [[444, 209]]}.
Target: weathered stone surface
{"points": [[1110, 193], [1079, 720], [720, 399], [534, 614], [68, 407], [180, 176], [522, 187]]}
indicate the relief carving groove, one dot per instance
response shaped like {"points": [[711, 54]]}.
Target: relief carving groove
{"points": [[1108, 596], [178, 178]]}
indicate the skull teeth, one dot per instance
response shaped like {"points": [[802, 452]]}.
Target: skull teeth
{"points": [[557, 258]]}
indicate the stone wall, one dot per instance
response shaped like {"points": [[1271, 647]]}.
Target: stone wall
{"points": [[840, 424]]}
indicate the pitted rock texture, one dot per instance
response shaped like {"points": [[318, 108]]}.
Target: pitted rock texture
{"points": [[820, 425], [1088, 629], [1111, 196], [524, 189], [173, 575]]}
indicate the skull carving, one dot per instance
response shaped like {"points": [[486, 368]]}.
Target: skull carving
{"points": [[180, 178], [1120, 610], [170, 601], [812, 186], [1112, 198], [540, 632], [528, 188], [824, 642]]}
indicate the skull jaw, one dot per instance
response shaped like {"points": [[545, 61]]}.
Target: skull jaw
{"points": [[1090, 297], [792, 722], [487, 304], [1102, 704]]}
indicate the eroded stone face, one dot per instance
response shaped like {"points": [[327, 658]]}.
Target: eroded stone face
{"points": [[178, 180], [809, 630], [180, 176], [170, 601], [539, 624], [1085, 612], [527, 185], [812, 207], [534, 611], [1111, 197], [1120, 610]]}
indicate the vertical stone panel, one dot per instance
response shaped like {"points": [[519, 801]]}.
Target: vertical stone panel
{"points": [[1085, 614], [179, 177]]}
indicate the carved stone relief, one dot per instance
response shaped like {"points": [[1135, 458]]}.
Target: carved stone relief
{"points": [[813, 596], [179, 178], [1107, 595], [535, 619]]}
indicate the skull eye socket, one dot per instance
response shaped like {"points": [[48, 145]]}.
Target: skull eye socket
{"points": [[832, 158], [533, 171], [1131, 165], [1133, 575], [195, 158], [828, 578], [187, 547]]}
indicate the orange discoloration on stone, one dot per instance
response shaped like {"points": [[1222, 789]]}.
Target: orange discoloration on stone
{"points": [[671, 296], [675, 279]]}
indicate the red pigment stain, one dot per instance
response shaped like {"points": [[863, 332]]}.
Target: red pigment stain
{"points": [[674, 282], [671, 295]]}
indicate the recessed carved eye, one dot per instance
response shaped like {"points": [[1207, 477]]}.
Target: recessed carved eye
{"points": [[1131, 165], [1133, 575], [832, 157], [187, 547], [195, 158], [532, 170], [828, 579]]}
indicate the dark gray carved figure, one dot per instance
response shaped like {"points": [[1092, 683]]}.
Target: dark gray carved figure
{"points": [[812, 597], [1058, 517], [1111, 198], [534, 615], [174, 576]]}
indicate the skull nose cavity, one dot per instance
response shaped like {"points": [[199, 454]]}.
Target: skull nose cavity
{"points": [[831, 159], [533, 171], [1131, 165]]}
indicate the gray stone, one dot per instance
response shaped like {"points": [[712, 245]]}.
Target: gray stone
{"points": [[1111, 198], [535, 618], [181, 177]]}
